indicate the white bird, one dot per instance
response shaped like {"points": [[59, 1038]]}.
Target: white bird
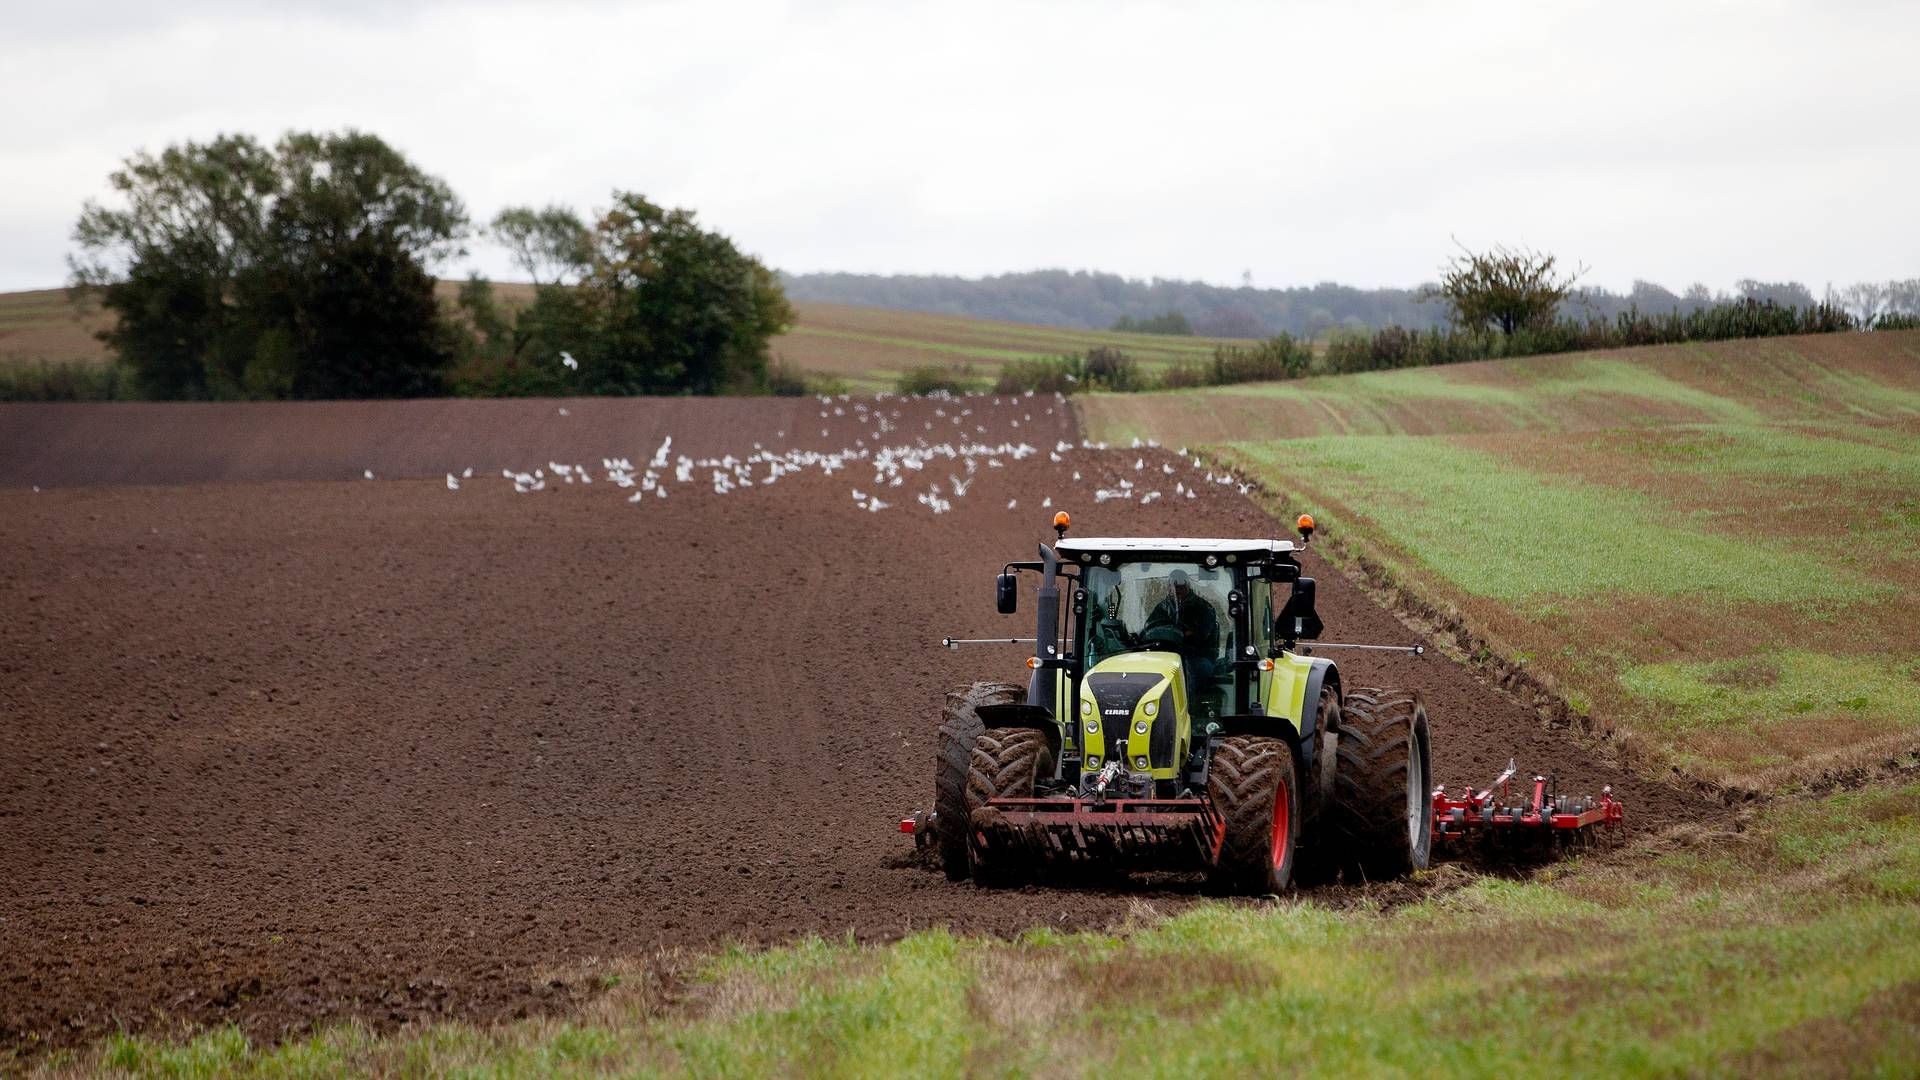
{"points": [[368, 474], [1046, 502], [453, 482], [1013, 504], [567, 359], [564, 412], [468, 474]]}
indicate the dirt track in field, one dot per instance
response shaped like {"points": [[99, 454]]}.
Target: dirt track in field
{"points": [[301, 749]]}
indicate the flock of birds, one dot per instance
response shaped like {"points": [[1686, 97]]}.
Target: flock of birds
{"points": [[932, 468]]}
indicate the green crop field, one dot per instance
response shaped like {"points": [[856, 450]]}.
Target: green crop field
{"points": [[868, 349], [1711, 549]]}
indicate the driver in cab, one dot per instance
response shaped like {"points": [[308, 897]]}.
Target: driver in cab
{"points": [[1196, 620]]}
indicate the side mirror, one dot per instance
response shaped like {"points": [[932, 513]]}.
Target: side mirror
{"points": [[1006, 593], [1298, 621]]}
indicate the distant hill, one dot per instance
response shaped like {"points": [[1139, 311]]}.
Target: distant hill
{"points": [[1088, 300]]}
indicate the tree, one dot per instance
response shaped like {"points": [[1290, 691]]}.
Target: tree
{"points": [[1506, 288], [1787, 294], [1865, 301], [236, 271], [550, 244], [1173, 322], [166, 263], [668, 307]]}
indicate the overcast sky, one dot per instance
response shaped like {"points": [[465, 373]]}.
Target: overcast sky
{"points": [[1676, 141]]}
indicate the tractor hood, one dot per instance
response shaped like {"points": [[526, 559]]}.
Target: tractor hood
{"points": [[1132, 705]]}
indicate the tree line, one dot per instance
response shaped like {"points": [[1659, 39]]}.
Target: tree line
{"points": [[1092, 301], [237, 270]]}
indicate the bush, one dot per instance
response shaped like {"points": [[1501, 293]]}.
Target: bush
{"points": [[787, 379], [1185, 375], [47, 381], [1110, 369], [934, 378], [1278, 357], [1396, 347], [1054, 375]]}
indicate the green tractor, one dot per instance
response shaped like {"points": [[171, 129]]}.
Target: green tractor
{"points": [[1171, 721]]}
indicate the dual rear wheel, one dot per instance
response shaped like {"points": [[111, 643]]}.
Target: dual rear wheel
{"points": [[1377, 823]]}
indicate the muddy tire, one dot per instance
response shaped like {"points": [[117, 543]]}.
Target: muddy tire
{"points": [[953, 749], [1004, 765], [1254, 785], [1380, 823], [1317, 862]]}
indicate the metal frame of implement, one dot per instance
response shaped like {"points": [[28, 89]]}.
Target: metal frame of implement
{"points": [[1543, 809]]}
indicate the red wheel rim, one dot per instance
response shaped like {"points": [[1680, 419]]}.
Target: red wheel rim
{"points": [[1282, 813]]}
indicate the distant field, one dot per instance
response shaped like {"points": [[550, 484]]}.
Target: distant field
{"points": [[1715, 549], [1816, 377], [868, 348], [45, 325]]}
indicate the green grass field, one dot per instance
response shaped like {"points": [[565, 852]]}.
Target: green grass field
{"points": [[1781, 945], [1711, 549]]}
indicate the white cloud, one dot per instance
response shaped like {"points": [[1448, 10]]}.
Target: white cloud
{"points": [[1672, 141]]}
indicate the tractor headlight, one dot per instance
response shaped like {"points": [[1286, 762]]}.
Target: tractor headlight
{"points": [[1140, 727], [1086, 707], [1093, 727], [1093, 761], [1152, 708], [1140, 763]]}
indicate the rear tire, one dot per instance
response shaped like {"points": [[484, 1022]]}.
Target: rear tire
{"points": [[1316, 863], [1254, 785], [1005, 764], [959, 726], [1382, 819]]}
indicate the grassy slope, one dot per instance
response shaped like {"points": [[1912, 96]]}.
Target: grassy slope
{"points": [[1710, 548], [868, 348], [1783, 948]]}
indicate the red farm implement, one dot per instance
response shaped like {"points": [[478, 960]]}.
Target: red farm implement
{"points": [[1542, 816]]}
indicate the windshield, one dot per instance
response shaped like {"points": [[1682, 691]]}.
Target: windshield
{"points": [[1178, 607]]}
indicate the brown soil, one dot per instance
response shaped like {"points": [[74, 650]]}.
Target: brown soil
{"points": [[304, 749]]}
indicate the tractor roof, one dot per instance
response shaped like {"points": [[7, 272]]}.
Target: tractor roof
{"points": [[1175, 548]]}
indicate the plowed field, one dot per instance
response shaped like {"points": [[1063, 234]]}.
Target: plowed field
{"points": [[306, 747]]}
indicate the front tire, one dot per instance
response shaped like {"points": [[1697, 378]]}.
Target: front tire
{"points": [[1006, 763], [1382, 818], [1254, 785], [960, 725]]}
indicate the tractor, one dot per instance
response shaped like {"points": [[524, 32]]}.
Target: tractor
{"points": [[1173, 719]]}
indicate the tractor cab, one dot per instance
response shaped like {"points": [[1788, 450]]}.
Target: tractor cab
{"points": [[1182, 608], [1165, 638]]}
